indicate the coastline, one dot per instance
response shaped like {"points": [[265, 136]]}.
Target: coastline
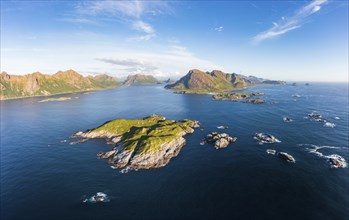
{"points": [[64, 93]]}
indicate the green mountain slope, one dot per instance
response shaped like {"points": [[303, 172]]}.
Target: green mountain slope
{"points": [[140, 79], [197, 81], [38, 84]]}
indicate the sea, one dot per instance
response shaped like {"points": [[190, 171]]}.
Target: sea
{"points": [[45, 177]]}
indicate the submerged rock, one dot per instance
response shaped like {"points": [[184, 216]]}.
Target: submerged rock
{"points": [[314, 115], [271, 151], [286, 157], [99, 197], [141, 143], [265, 138], [317, 117], [255, 101], [218, 140], [336, 161], [287, 119]]}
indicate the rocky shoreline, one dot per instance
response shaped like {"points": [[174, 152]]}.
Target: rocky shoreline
{"points": [[145, 143], [239, 97]]}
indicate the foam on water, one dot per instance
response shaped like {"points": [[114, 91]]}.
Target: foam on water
{"points": [[99, 197], [313, 149], [222, 127], [329, 125], [271, 151]]}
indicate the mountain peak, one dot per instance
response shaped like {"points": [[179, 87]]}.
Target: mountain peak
{"points": [[140, 79], [67, 73]]}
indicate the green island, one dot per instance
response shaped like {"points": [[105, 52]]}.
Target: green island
{"points": [[235, 96], [216, 81], [140, 143], [60, 99]]}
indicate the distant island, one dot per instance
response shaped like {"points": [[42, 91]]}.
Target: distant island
{"points": [[60, 99], [141, 79], [199, 82], [38, 84], [194, 82], [235, 96], [141, 143]]}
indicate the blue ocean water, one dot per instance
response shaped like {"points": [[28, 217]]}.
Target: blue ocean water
{"points": [[43, 177]]}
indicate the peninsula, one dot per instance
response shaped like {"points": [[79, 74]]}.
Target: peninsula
{"points": [[141, 143], [38, 84]]}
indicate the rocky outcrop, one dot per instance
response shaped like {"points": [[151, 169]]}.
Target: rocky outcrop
{"points": [[235, 97], [263, 138], [142, 143], [336, 161], [255, 101], [98, 197], [218, 140], [286, 156]]}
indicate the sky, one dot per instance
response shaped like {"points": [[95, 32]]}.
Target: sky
{"points": [[284, 40]]}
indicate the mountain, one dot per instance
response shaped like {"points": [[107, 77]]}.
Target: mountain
{"points": [[256, 80], [196, 81], [169, 81], [140, 79], [38, 84]]}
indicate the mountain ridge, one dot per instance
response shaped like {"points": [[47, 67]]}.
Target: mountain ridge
{"points": [[197, 81], [39, 84], [140, 79]]}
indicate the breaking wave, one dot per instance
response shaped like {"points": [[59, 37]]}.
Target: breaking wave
{"points": [[330, 159]]}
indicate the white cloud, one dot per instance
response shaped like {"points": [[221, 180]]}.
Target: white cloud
{"points": [[287, 24], [133, 65], [219, 29], [112, 8], [132, 13], [173, 61], [78, 20], [142, 26]]}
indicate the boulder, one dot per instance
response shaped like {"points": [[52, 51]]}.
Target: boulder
{"points": [[286, 157], [218, 140]]}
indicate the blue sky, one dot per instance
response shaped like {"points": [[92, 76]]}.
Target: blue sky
{"points": [[287, 40]]}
